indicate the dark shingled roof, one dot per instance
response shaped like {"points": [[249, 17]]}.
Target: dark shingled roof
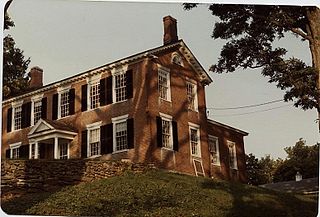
{"points": [[60, 126]]}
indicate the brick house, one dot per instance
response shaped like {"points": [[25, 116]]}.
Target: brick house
{"points": [[148, 107]]}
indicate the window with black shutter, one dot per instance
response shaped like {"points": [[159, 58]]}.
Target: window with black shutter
{"points": [[24, 152], [72, 95], [26, 115], [109, 90], [8, 153], [9, 120], [130, 133], [159, 131], [103, 99], [129, 84], [175, 136], [109, 138], [84, 97], [84, 144], [55, 106], [44, 108]]}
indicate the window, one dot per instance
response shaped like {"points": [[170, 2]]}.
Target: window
{"points": [[232, 155], [176, 59], [121, 136], [37, 111], [120, 87], [94, 95], [192, 96], [94, 142], [166, 134], [64, 104], [63, 151], [164, 84], [17, 116], [214, 150], [14, 150], [194, 139]]}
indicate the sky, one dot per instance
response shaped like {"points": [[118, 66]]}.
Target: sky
{"points": [[65, 38]]}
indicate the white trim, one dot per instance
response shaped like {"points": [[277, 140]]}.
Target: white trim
{"points": [[37, 97], [168, 75], [34, 99], [165, 116], [17, 103], [195, 92], [176, 54], [14, 146], [63, 88], [169, 119], [217, 149], [14, 107], [227, 127], [195, 127], [94, 125], [89, 127], [119, 118], [90, 81]]}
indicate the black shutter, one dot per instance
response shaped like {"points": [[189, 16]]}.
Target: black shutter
{"points": [[55, 106], [103, 100], [109, 138], [84, 96], [109, 90], [9, 120], [8, 154], [129, 84], [159, 131], [103, 138], [84, 144], [44, 108], [26, 115], [130, 133], [24, 152], [175, 136], [72, 96]]}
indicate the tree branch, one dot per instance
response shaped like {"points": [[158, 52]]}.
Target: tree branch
{"points": [[301, 33]]}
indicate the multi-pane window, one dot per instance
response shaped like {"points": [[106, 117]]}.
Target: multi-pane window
{"points": [[33, 151], [64, 104], [94, 142], [36, 111], [63, 151], [15, 153], [120, 87], [166, 134], [214, 150], [17, 117], [192, 96], [94, 95], [194, 140], [232, 155], [121, 136], [163, 84]]}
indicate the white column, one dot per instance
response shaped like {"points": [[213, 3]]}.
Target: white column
{"points": [[56, 148], [30, 150], [36, 150]]}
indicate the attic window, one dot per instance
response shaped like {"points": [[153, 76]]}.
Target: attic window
{"points": [[176, 59]]}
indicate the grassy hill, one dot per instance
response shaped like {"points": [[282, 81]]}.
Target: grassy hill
{"points": [[158, 193]]}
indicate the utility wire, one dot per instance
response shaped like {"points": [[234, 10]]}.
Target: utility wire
{"points": [[247, 106], [253, 112]]}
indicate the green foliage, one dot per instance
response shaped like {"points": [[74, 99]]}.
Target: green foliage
{"points": [[15, 78], [250, 31], [301, 158], [157, 193]]}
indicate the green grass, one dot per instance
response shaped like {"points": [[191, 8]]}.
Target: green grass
{"points": [[158, 193]]}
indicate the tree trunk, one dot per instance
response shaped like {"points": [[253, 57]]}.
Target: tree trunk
{"points": [[313, 16]]}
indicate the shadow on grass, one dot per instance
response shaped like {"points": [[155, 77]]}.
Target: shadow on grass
{"points": [[260, 202]]}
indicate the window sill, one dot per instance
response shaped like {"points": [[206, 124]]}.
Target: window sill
{"points": [[196, 156], [120, 151], [165, 100], [94, 156], [216, 164], [167, 149]]}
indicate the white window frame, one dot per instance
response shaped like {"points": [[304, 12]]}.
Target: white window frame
{"points": [[166, 71], [115, 121], [195, 94], [14, 146], [168, 118], [193, 126], [216, 144], [59, 153], [14, 106], [233, 145], [93, 126], [34, 100], [93, 80], [114, 72], [62, 90]]}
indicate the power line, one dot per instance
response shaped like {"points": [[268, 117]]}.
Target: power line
{"points": [[253, 112], [247, 106]]}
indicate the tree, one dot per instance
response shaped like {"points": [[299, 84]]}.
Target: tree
{"points": [[15, 78], [250, 31], [300, 158]]}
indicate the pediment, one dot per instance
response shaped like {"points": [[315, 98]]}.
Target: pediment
{"points": [[40, 126]]}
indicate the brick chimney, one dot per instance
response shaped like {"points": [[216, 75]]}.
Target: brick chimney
{"points": [[170, 30], [36, 74]]}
